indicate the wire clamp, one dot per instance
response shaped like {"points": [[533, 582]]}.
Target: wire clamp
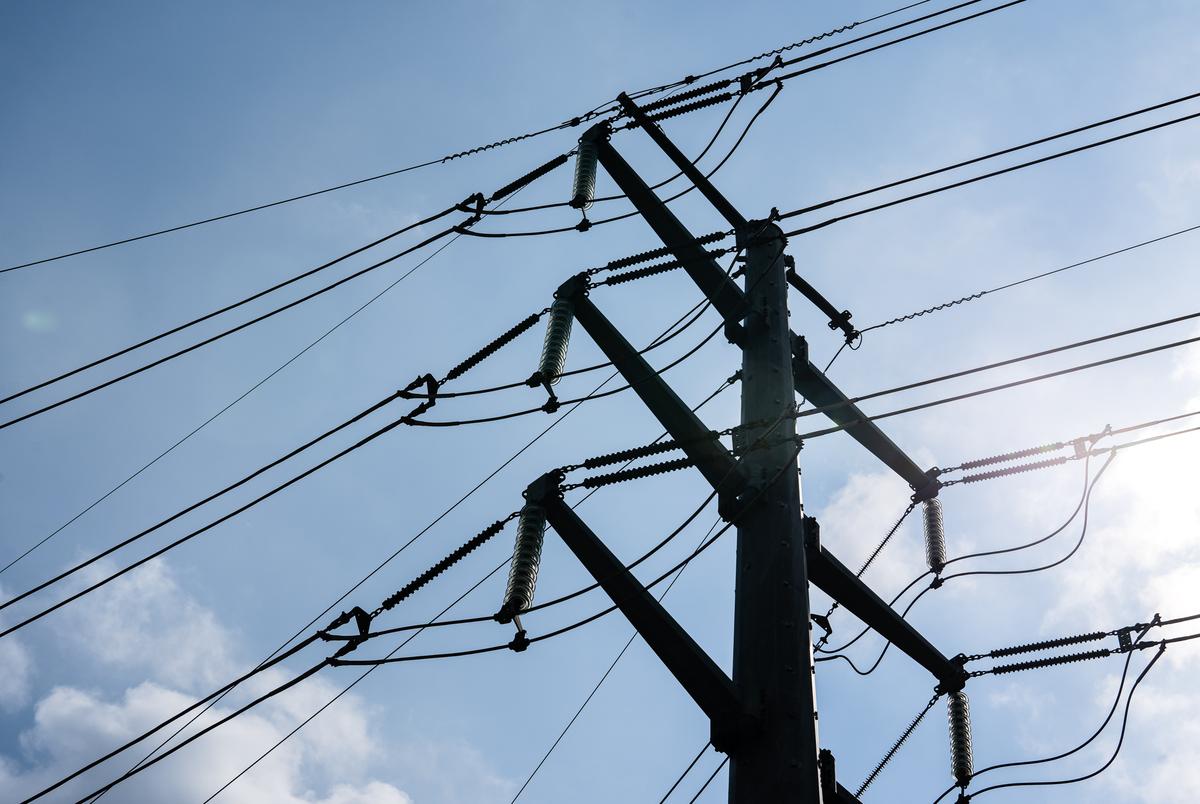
{"points": [[520, 642]]}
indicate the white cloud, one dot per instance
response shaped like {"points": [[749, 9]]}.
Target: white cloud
{"points": [[148, 628]]}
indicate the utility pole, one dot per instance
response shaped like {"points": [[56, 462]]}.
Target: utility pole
{"points": [[772, 648], [764, 717]]}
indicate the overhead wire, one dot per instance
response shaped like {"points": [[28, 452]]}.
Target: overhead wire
{"points": [[378, 568], [224, 333], [683, 775], [982, 177], [226, 408], [1015, 283], [599, 110], [232, 306]]}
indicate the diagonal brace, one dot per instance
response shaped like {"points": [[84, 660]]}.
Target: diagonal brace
{"points": [[695, 671]]}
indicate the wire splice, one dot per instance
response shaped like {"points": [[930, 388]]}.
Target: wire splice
{"points": [[492, 347], [935, 534], [962, 762], [527, 558], [596, 481]]}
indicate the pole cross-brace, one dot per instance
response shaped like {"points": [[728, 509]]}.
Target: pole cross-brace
{"points": [[695, 671], [832, 791], [814, 386], [834, 579], [715, 462]]}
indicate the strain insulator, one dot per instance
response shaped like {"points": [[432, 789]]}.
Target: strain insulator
{"points": [[658, 268], [529, 177], [935, 534], [654, 254], [1051, 661], [962, 763], [1032, 647], [632, 454], [634, 474], [446, 563], [1015, 470], [686, 96], [686, 108], [527, 557], [1012, 456], [583, 190], [491, 348], [554, 347]]}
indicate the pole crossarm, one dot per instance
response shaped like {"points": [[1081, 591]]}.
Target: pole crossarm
{"points": [[685, 165], [729, 300], [813, 385], [718, 466], [726, 297], [695, 671], [834, 579]]}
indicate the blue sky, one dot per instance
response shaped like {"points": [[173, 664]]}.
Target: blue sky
{"points": [[126, 117]]}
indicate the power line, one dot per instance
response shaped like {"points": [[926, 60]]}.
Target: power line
{"points": [[683, 775], [224, 409], [1015, 283], [990, 175], [226, 332], [597, 111]]}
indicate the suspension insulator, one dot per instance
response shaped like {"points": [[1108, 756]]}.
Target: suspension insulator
{"points": [[935, 535], [962, 762], [527, 557], [554, 347], [584, 189]]}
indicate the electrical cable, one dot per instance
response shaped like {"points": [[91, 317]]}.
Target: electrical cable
{"points": [[1085, 505], [596, 111], [108, 551], [226, 332], [980, 294], [686, 771], [419, 628], [458, 231], [232, 306], [995, 388], [224, 409], [590, 224], [1022, 763], [628, 643], [1008, 362], [1117, 750], [990, 175], [709, 780]]}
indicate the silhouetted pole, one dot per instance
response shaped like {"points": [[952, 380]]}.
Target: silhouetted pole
{"points": [[772, 648]]}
